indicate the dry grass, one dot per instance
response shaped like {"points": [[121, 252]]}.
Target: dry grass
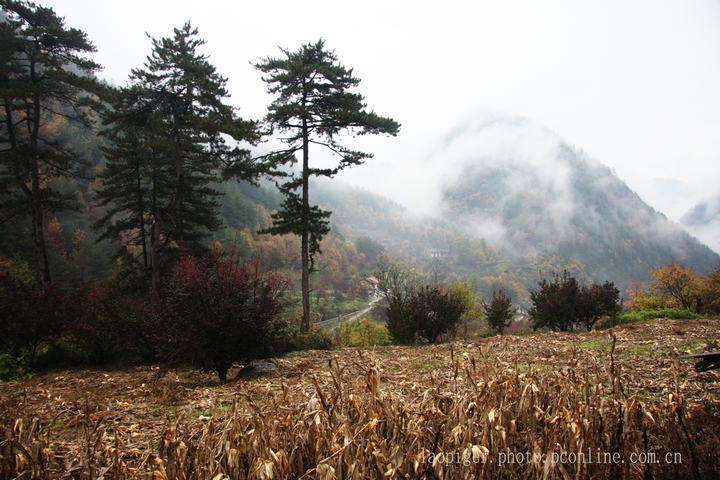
{"points": [[503, 407]]}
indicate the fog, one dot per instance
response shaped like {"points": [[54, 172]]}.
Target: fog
{"points": [[520, 186], [632, 83], [703, 221]]}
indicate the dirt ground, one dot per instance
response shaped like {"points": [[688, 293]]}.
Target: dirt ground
{"points": [[125, 412], [140, 400]]}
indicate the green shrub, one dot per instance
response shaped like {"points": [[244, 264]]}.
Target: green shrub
{"points": [[292, 338], [485, 332], [63, 352], [563, 304], [632, 317], [364, 333], [426, 312], [13, 368], [499, 312]]}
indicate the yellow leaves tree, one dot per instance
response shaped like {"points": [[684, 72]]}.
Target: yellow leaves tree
{"points": [[710, 296], [54, 235], [473, 307], [679, 286]]}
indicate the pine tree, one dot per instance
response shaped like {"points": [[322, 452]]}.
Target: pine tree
{"points": [[499, 312], [313, 106], [42, 75], [168, 131]]}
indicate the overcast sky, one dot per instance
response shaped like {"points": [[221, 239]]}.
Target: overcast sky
{"points": [[635, 84]]}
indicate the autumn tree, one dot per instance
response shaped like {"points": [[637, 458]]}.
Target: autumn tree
{"points": [[680, 283], [395, 278], [472, 305], [711, 292], [168, 130], [313, 106], [43, 75]]}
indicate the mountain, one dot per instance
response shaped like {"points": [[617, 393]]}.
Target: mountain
{"points": [[703, 221], [528, 192]]}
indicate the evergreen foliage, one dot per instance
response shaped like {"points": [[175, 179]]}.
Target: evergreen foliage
{"points": [[43, 75], [370, 249], [168, 131], [562, 304], [499, 312], [425, 313], [313, 106]]}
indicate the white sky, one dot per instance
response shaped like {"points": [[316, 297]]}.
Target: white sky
{"points": [[634, 84]]}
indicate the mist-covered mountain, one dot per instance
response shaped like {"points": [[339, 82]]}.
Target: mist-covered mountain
{"points": [[527, 192], [507, 201], [703, 221]]}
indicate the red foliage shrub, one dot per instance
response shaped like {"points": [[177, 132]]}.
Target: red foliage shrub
{"points": [[28, 316], [216, 313], [105, 325]]}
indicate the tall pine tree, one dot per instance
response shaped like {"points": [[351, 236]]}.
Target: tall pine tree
{"points": [[169, 130], [313, 106], [43, 74]]}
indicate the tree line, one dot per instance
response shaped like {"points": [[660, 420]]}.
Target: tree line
{"points": [[171, 138], [417, 311]]}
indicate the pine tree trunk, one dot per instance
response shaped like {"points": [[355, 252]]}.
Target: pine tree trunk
{"points": [[143, 233], [305, 280], [155, 252], [40, 251], [37, 209], [305, 237]]}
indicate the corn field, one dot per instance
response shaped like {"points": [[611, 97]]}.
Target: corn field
{"points": [[567, 406]]}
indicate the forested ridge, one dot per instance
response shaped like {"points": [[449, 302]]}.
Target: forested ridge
{"points": [[591, 218]]}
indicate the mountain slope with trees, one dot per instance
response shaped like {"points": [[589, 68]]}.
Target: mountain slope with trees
{"points": [[97, 221], [703, 221], [572, 206]]}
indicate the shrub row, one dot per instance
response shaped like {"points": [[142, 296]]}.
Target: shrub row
{"points": [[212, 314]]}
